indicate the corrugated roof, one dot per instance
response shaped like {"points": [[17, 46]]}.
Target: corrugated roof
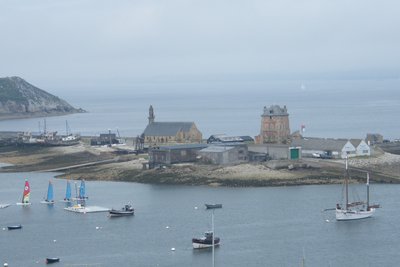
{"points": [[217, 149], [167, 128], [184, 146], [320, 144]]}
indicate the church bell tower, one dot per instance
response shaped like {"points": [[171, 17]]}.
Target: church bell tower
{"points": [[151, 115]]}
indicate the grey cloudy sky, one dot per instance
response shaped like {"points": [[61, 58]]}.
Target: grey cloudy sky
{"points": [[119, 42]]}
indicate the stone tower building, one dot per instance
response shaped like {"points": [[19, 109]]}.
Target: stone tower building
{"points": [[274, 126], [151, 115]]}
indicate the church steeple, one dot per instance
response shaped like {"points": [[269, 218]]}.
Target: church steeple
{"points": [[151, 115]]}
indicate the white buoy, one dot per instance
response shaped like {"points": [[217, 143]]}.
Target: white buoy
{"points": [[54, 240], [195, 208], [327, 220], [172, 249], [4, 229], [97, 228], [166, 227], [5, 264]]}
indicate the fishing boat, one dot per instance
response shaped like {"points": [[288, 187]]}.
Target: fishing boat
{"points": [[49, 200], [127, 210], [206, 241], [14, 227], [3, 206], [213, 206], [67, 198], [354, 210], [52, 260], [25, 195]]}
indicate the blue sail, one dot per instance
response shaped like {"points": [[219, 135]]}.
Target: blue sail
{"points": [[50, 194], [82, 190], [68, 191]]}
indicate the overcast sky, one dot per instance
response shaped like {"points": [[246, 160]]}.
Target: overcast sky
{"points": [[91, 42]]}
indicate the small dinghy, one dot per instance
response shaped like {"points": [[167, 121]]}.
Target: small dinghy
{"points": [[127, 210], [206, 241], [52, 260], [14, 227], [3, 206], [213, 206]]}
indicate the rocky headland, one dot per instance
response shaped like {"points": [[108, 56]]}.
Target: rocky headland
{"points": [[20, 99]]}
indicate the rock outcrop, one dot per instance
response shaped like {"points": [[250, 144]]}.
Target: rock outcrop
{"points": [[19, 98]]}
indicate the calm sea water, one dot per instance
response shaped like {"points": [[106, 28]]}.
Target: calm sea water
{"points": [[339, 109], [257, 226]]}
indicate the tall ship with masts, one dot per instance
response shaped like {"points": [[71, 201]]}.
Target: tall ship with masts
{"points": [[357, 209]]}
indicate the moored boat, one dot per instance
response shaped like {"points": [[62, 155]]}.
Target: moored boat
{"points": [[3, 206], [52, 260], [14, 227], [206, 241], [213, 206], [354, 210], [127, 210]]}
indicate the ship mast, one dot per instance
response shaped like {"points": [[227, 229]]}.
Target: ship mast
{"points": [[368, 191], [347, 184]]}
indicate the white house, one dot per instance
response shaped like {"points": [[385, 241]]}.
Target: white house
{"points": [[362, 148]]}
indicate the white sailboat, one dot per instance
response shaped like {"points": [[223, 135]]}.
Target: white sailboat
{"points": [[354, 210]]}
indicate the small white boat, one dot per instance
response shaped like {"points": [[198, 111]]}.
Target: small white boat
{"points": [[25, 195], [3, 206]]}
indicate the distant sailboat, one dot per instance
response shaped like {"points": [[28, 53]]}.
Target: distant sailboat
{"points": [[25, 195], [50, 195], [67, 197]]}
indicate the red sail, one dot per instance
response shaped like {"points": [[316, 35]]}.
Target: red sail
{"points": [[27, 190]]}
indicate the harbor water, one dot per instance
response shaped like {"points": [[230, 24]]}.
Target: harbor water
{"points": [[275, 226]]}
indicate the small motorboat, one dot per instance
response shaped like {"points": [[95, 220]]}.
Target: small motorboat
{"points": [[14, 227], [3, 206], [205, 241], [213, 206], [52, 260], [127, 210]]}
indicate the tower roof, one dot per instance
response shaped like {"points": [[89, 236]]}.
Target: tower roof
{"points": [[275, 110]]}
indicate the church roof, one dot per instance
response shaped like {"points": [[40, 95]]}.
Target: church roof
{"points": [[167, 128]]}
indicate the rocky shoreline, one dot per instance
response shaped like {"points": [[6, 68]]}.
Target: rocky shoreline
{"points": [[104, 163]]}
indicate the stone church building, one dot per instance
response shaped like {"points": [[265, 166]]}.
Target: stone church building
{"points": [[274, 126], [170, 132]]}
